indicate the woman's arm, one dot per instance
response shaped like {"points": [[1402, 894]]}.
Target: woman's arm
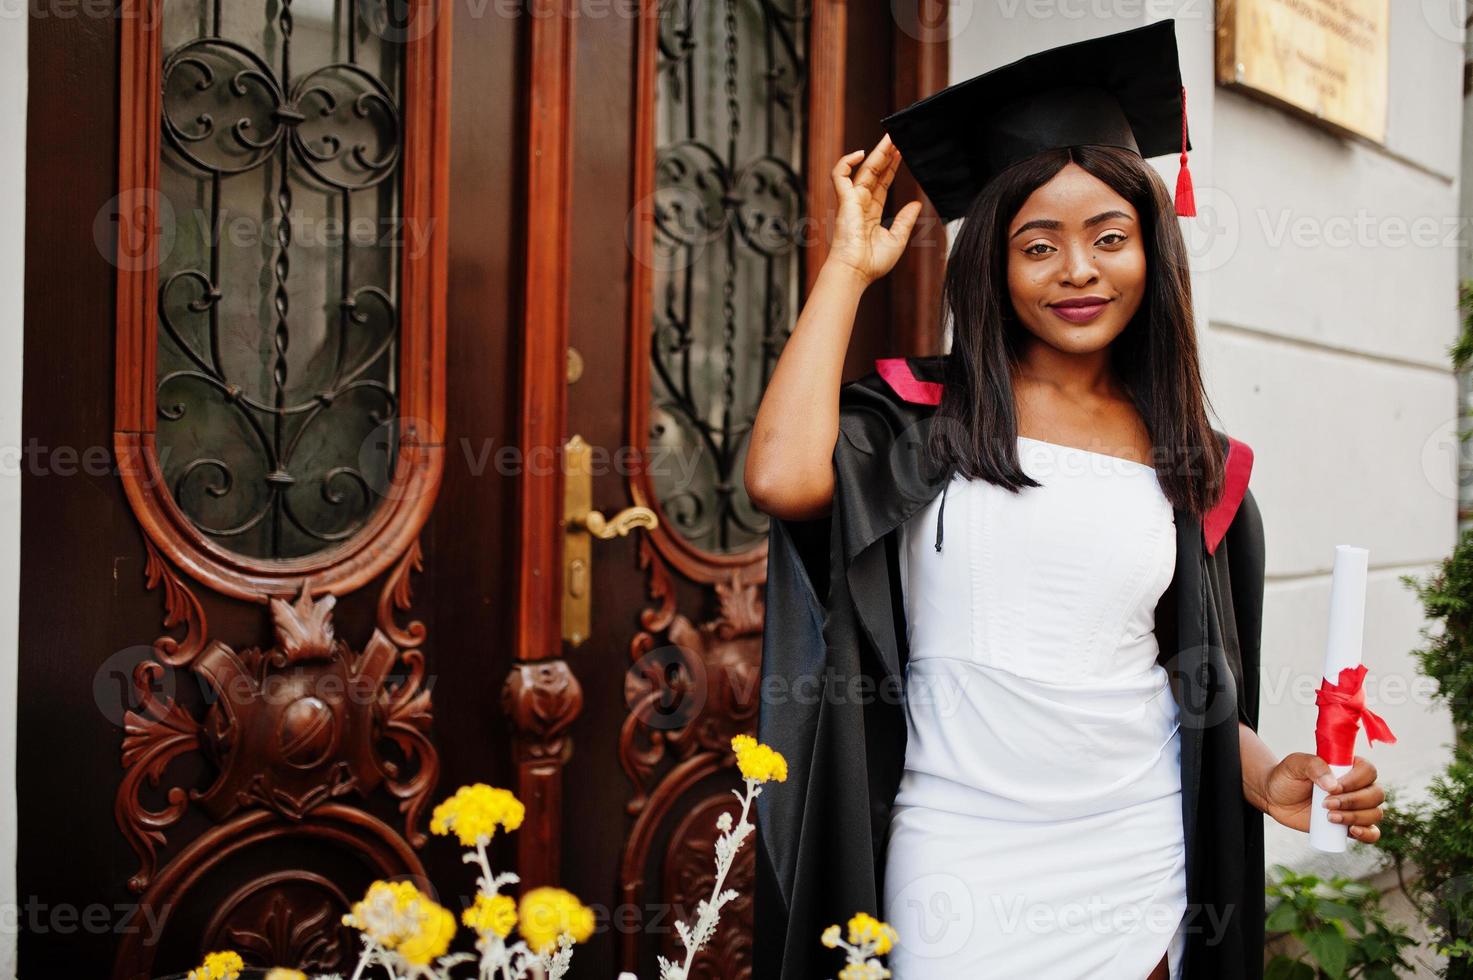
{"points": [[789, 471], [1283, 788]]}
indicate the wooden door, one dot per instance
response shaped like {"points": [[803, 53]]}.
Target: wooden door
{"points": [[698, 139], [253, 652], [269, 628]]}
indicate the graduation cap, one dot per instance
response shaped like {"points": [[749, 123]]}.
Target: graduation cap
{"points": [[1121, 89]]}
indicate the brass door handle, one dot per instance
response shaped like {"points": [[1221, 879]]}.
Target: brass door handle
{"points": [[582, 525], [620, 524]]}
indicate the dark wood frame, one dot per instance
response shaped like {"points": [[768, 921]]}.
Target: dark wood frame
{"points": [[395, 524], [541, 695]]}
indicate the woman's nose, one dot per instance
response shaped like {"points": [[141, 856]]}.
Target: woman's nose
{"points": [[1079, 266]]}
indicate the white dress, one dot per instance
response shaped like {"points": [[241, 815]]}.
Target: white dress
{"points": [[1037, 832]]}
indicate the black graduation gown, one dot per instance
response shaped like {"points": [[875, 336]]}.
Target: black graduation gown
{"points": [[833, 660]]}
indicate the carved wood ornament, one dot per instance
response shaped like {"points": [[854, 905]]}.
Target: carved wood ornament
{"points": [[287, 728], [298, 736]]}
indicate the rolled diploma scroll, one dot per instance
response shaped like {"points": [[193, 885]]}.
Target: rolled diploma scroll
{"points": [[1341, 698]]}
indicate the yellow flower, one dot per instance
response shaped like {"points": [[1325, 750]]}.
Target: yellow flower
{"points": [[491, 913], [224, 965], [871, 970], [399, 917], [865, 928], [830, 937], [282, 973], [387, 912], [432, 938], [546, 913], [474, 812], [757, 761]]}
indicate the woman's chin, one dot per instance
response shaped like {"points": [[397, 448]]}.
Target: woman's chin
{"points": [[1082, 338]]}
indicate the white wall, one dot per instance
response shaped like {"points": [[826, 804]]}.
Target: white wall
{"points": [[13, 29], [1304, 338], [1342, 328]]}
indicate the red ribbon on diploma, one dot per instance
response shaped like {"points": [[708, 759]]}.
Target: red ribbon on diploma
{"points": [[1342, 706]]}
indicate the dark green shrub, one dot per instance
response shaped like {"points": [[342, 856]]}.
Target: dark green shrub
{"points": [[1432, 842], [1341, 925]]}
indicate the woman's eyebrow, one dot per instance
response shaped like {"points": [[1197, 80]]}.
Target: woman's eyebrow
{"points": [[1054, 225]]}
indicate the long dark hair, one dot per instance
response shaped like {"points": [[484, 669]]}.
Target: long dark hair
{"points": [[975, 427]]}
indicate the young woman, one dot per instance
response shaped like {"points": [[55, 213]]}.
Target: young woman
{"points": [[1065, 795]]}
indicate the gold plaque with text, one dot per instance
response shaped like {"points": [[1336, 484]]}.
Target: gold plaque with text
{"points": [[1325, 58]]}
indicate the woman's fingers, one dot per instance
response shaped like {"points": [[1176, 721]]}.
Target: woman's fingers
{"points": [[1310, 767], [840, 174], [875, 176], [1362, 817], [1362, 773], [905, 221], [1360, 799], [882, 185], [874, 164]]}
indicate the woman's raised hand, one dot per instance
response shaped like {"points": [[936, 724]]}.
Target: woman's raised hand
{"points": [[790, 453], [860, 241]]}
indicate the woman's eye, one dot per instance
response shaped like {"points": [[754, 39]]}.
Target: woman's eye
{"points": [[1111, 238], [1041, 246]]}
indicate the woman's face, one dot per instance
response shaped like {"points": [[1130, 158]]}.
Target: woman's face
{"points": [[1076, 262]]}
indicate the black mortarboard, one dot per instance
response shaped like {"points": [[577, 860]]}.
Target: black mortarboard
{"points": [[1122, 89]]}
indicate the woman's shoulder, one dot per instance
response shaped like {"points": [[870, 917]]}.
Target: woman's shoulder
{"points": [[906, 380], [889, 399], [1236, 496]]}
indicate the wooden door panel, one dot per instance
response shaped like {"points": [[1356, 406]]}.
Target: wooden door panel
{"points": [[598, 291], [268, 816]]}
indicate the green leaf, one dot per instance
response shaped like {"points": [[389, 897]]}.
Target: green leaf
{"points": [[1327, 945], [1327, 909], [1283, 918], [1283, 968]]}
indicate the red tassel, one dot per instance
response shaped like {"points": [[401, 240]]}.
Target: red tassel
{"points": [[1186, 198]]}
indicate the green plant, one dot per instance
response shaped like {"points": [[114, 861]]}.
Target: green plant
{"points": [[1461, 351], [1436, 836], [1341, 925], [1447, 598]]}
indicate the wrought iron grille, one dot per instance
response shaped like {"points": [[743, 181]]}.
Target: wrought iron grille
{"points": [[729, 213], [278, 301]]}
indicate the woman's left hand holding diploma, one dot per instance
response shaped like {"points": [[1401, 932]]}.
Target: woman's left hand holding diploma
{"points": [[1356, 800]]}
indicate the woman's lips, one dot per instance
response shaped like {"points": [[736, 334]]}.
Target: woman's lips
{"points": [[1081, 313]]}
